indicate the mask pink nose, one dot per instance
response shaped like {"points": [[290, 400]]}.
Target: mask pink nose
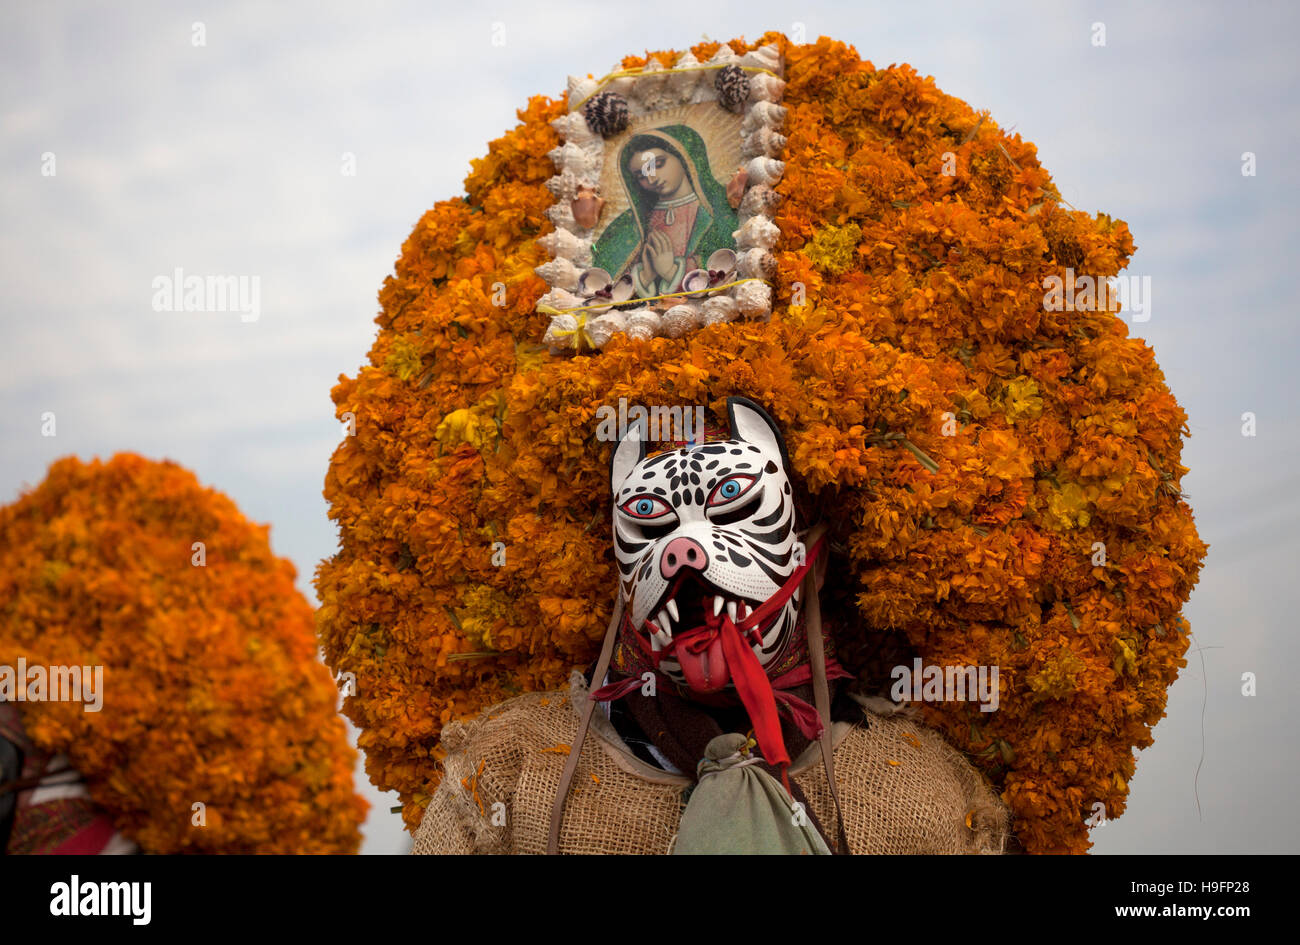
{"points": [[682, 553]]}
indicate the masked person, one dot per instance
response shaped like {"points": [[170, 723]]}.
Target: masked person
{"points": [[717, 718]]}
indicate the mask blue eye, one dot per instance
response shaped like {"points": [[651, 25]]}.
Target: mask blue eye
{"points": [[645, 506], [732, 488]]}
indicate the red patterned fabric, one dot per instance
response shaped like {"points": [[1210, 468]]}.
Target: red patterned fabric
{"points": [[57, 815]]}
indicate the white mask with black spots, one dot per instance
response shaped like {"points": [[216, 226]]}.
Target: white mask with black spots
{"points": [[702, 530]]}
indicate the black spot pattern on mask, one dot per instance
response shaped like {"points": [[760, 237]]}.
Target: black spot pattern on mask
{"points": [[740, 560], [787, 488], [737, 452], [712, 464], [657, 491], [695, 479], [699, 497], [770, 467]]}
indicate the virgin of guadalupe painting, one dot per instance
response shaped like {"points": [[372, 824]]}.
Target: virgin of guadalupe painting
{"points": [[676, 213]]}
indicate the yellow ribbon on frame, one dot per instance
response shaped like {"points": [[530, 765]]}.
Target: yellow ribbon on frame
{"points": [[578, 334], [552, 310]]}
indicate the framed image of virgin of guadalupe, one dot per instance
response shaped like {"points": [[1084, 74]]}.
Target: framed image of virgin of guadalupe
{"points": [[667, 212], [664, 195]]}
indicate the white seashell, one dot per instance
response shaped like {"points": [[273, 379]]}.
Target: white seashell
{"points": [[724, 56], [760, 199], [565, 186], [704, 91], [570, 158], [757, 231], [623, 290], [561, 214], [601, 329], [756, 264], [580, 88], [565, 126], [763, 140], [653, 91], [685, 84], [562, 299], [754, 299], [573, 129], [722, 260], [617, 319], [559, 273], [682, 319], [591, 281], [764, 57], [719, 309], [644, 324], [564, 244], [763, 113], [624, 86], [765, 88], [765, 170], [695, 283], [553, 336]]}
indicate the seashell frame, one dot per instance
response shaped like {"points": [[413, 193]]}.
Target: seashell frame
{"points": [[579, 161]]}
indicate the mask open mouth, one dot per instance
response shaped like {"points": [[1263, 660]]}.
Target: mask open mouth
{"points": [[686, 626]]}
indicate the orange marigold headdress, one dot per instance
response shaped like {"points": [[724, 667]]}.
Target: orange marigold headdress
{"points": [[1002, 479], [212, 691]]}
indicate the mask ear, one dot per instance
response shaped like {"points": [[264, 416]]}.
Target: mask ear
{"points": [[751, 424], [630, 451]]}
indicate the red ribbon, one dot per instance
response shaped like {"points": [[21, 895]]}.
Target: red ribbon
{"points": [[762, 697], [755, 691], [617, 690]]}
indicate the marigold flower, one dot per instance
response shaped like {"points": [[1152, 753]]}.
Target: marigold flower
{"points": [[908, 303], [212, 690]]}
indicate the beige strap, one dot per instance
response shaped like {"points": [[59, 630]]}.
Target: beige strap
{"points": [[584, 723], [821, 690]]}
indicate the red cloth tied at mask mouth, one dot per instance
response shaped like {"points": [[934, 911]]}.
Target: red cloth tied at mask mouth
{"points": [[720, 651]]}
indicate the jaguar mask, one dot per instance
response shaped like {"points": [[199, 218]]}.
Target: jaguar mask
{"points": [[702, 532]]}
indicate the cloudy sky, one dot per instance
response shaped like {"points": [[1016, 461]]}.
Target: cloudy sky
{"points": [[226, 157]]}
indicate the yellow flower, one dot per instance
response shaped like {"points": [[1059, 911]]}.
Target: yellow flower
{"points": [[1068, 506], [832, 248], [404, 360], [1022, 400]]}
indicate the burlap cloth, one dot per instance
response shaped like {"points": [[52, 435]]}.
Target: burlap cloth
{"points": [[903, 788]]}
